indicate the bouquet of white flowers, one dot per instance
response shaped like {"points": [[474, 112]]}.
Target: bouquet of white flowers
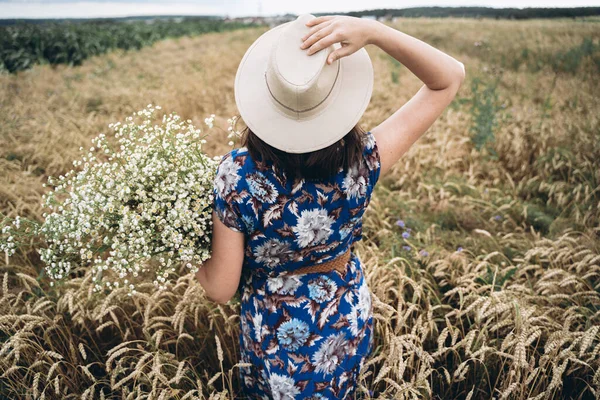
{"points": [[139, 208]]}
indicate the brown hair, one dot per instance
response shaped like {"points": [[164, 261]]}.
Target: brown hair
{"points": [[314, 165]]}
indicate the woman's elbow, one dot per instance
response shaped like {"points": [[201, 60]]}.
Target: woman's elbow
{"points": [[453, 79], [458, 77], [222, 297]]}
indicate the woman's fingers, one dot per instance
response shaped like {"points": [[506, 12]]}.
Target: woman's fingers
{"points": [[326, 41], [323, 34], [343, 51], [315, 29], [318, 35]]}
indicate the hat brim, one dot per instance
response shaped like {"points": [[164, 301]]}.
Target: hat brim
{"points": [[352, 95]]}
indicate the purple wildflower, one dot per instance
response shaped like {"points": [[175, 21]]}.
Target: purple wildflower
{"points": [[405, 235], [407, 248], [459, 249], [400, 223], [423, 253], [497, 217]]}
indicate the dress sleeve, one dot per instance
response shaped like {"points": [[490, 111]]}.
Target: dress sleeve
{"points": [[371, 157], [228, 193]]}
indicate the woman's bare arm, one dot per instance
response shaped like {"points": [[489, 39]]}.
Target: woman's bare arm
{"points": [[441, 74]]}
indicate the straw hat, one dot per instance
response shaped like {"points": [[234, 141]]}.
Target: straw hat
{"points": [[295, 102]]}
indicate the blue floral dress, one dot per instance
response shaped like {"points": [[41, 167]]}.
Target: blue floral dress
{"points": [[308, 335]]}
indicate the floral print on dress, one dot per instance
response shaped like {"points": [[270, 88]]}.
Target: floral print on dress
{"points": [[308, 335], [313, 227]]}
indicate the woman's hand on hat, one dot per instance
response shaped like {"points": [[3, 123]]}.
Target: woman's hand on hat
{"points": [[351, 32]]}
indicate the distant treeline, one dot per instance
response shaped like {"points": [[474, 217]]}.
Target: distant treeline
{"points": [[66, 42], [481, 12], [165, 18]]}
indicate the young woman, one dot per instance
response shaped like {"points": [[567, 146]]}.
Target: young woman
{"points": [[289, 203]]}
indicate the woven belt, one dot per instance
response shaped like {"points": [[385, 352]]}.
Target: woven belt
{"points": [[338, 263]]}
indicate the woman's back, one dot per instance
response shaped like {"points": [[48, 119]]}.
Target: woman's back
{"points": [[289, 224], [299, 328]]}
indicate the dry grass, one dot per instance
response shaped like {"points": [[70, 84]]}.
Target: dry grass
{"points": [[515, 314]]}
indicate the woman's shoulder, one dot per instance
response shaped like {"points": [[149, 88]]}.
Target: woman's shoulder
{"points": [[237, 165], [231, 169], [236, 161], [238, 155]]}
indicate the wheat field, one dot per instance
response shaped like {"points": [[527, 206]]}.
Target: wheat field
{"points": [[481, 247]]}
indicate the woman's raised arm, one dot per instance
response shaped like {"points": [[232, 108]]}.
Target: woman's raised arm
{"points": [[441, 74]]}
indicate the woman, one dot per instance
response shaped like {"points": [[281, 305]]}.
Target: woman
{"points": [[289, 204]]}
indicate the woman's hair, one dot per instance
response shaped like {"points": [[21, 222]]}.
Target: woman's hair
{"points": [[314, 165]]}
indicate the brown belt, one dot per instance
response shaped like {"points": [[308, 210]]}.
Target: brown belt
{"points": [[338, 263]]}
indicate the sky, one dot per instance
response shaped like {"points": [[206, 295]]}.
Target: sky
{"points": [[237, 8]]}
